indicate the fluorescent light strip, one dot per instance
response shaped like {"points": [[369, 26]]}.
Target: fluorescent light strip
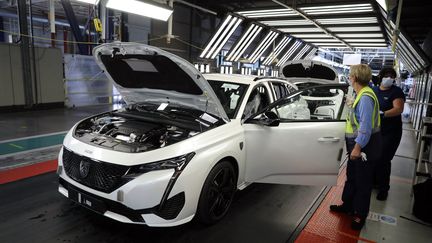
{"points": [[311, 53], [257, 29], [279, 47], [365, 40], [368, 44], [341, 12], [300, 30], [311, 11], [407, 43], [286, 22], [244, 36], [263, 46], [361, 35], [216, 36], [289, 53], [327, 44], [354, 29], [403, 47], [221, 37], [266, 11], [226, 38], [321, 40], [407, 60], [301, 52], [347, 20], [334, 47], [140, 8], [257, 16], [336, 6], [311, 36], [370, 47]]}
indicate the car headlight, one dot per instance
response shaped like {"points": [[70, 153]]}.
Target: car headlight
{"points": [[177, 163]]}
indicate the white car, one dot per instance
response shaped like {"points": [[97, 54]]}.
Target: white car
{"points": [[187, 142]]}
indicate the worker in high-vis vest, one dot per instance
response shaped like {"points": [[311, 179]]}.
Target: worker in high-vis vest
{"points": [[363, 142]]}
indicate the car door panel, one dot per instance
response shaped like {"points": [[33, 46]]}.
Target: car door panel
{"points": [[304, 151]]}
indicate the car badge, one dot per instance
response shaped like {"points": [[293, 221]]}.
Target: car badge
{"points": [[84, 168]]}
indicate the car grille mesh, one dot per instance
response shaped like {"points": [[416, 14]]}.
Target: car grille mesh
{"points": [[101, 176]]}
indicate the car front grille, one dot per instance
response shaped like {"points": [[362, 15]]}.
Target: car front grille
{"points": [[101, 176]]}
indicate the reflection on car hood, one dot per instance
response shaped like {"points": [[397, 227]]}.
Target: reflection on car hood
{"points": [[143, 73]]}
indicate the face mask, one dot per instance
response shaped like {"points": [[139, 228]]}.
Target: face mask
{"points": [[387, 82]]}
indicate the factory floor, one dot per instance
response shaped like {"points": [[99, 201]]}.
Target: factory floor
{"points": [[32, 210]]}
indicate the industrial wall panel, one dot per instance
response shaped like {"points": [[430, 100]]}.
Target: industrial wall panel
{"points": [[6, 90], [50, 75], [17, 74]]}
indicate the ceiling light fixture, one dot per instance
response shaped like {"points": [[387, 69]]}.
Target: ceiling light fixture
{"points": [[265, 43], [288, 54], [278, 49], [143, 8], [244, 43]]}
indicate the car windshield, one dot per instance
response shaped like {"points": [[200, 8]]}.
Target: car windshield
{"points": [[230, 95]]}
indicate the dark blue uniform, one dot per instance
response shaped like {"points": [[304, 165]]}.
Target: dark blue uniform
{"points": [[391, 130]]}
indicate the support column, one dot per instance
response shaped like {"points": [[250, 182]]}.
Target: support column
{"points": [[52, 22], [73, 22], [25, 53]]}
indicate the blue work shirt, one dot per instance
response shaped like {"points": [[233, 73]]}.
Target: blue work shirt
{"points": [[363, 113]]}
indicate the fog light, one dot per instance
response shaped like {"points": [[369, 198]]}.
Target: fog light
{"points": [[120, 196]]}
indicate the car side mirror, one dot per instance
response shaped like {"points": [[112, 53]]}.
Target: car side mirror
{"points": [[268, 118]]}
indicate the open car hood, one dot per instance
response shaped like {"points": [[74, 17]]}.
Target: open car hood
{"points": [[143, 73], [309, 70]]}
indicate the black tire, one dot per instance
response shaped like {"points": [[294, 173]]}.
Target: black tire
{"points": [[217, 193]]}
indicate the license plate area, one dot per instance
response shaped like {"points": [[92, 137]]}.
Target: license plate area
{"points": [[87, 201]]}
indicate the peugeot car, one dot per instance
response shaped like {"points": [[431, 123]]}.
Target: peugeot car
{"points": [[185, 142]]}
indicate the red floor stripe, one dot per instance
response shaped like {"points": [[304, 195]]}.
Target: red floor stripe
{"points": [[27, 171], [325, 226]]}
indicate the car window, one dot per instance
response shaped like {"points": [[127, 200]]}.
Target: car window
{"points": [[230, 95], [280, 89], [258, 99], [321, 103]]}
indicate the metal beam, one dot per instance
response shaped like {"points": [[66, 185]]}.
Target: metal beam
{"points": [[318, 25], [25, 53], [73, 22]]}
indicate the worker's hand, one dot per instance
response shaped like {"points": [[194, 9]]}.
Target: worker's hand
{"points": [[355, 153], [349, 100]]}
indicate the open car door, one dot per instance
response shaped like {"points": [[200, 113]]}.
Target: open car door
{"points": [[298, 139]]}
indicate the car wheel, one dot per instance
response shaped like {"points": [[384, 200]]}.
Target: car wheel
{"points": [[217, 193]]}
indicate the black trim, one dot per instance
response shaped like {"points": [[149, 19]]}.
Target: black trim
{"points": [[170, 210]]}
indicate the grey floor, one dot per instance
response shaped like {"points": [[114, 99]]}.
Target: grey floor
{"points": [[32, 210], [30, 123], [399, 203]]}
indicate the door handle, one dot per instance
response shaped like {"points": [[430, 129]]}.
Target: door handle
{"points": [[329, 139]]}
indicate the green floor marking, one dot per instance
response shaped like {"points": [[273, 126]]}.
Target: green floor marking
{"points": [[31, 143]]}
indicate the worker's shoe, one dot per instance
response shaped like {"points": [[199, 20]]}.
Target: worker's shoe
{"points": [[340, 209], [382, 195], [357, 223]]}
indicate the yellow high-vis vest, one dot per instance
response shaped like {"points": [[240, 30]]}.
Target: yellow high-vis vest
{"points": [[352, 125]]}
